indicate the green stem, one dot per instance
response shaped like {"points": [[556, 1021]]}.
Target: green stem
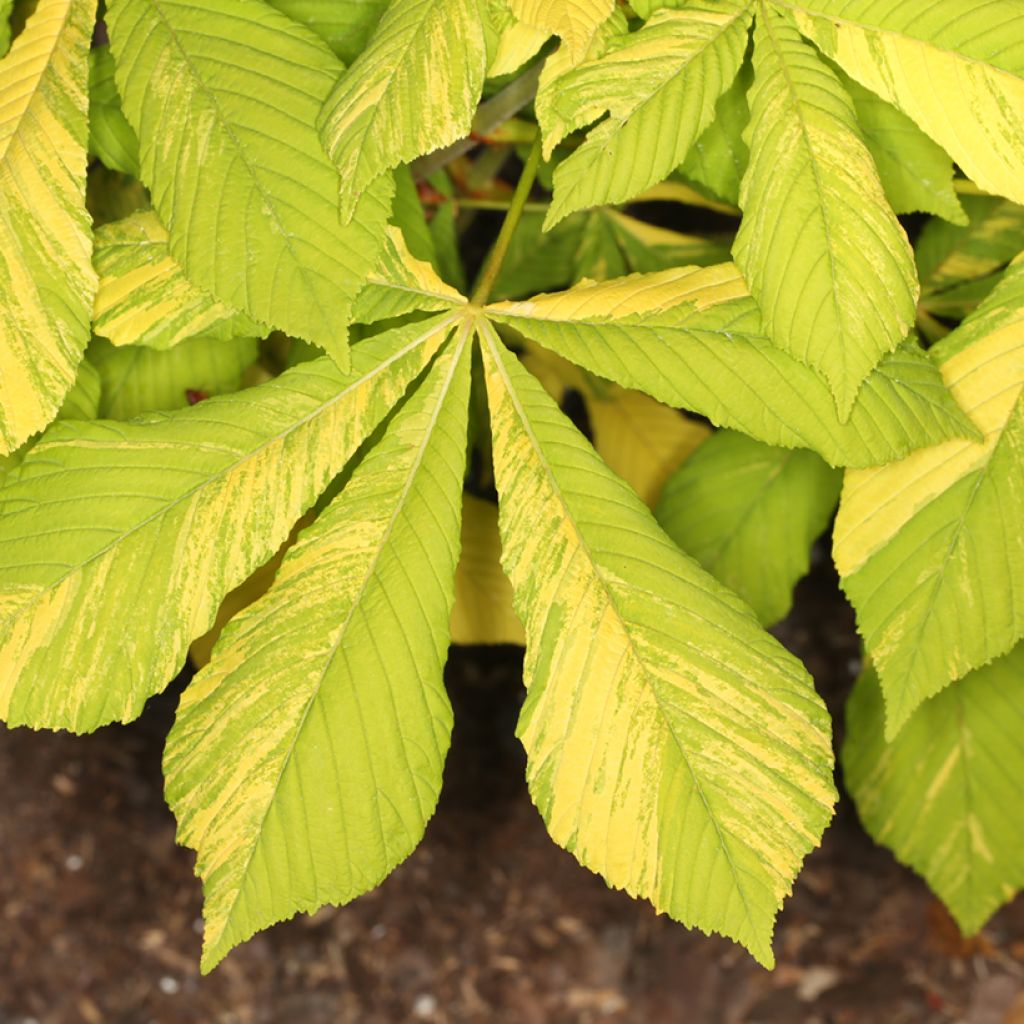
{"points": [[496, 204], [496, 257]]}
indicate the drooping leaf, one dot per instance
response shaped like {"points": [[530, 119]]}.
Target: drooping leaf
{"points": [[46, 276], [344, 25], [414, 89], [930, 549], [944, 795], [672, 745], [482, 613], [659, 86], [224, 96], [693, 339], [956, 67], [306, 758], [144, 297], [148, 525], [749, 513], [138, 380], [111, 138], [574, 21], [916, 173], [819, 246]]}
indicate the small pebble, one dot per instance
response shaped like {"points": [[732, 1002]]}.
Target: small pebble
{"points": [[424, 1005], [169, 986], [378, 931], [74, 862]]}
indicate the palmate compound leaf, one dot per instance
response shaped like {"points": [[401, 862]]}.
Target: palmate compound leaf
{"points": [[693, 339], [944, 795], [659, 86], [672, 745], [819, 245], [413, 89], [955, 67], [144, 297], [749, 513], [930, 548], [574, 21], [149, 524], [306, 757], [46, 277], [224, 96]]}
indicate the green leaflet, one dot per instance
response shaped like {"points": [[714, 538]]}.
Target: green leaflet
{"points": [[719, 157], [960, 264], [956, 67], [749, 513], [191, 502], [414, 89], [693, 339], [46, 277], [819, 246], [137, 380], [344, 25], [306, 757], [659, 86], [915, 172], [682, 754], [930, 549], [144, 297], [944, 796], [111, 138], [224, 95]]}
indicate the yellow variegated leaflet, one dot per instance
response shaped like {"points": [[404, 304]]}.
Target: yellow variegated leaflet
{"points": [[346, 727], [656, 751], [413, 89], [192, 478], [575, 21], [247, 195], [943, 795], [144, 297], [46, 278], [930, 548], [660, 83], [814, 212]]}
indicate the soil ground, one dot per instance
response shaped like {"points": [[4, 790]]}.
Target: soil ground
{"points": [[487, 921]]}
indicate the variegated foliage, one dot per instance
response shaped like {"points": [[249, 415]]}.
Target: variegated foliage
{"points": [[272, 178]]}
